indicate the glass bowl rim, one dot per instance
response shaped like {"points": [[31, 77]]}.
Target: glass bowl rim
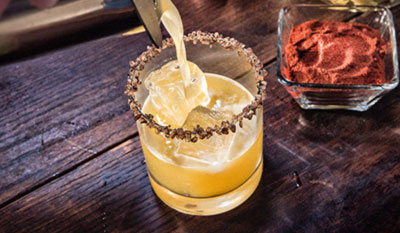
{"points": [[386, 86], [205, 38]]}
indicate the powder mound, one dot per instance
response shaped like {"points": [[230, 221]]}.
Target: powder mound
{"points": [[335, 53]]}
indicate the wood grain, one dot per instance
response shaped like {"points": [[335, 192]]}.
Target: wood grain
{"points": [[71, 160], [64, 107], [349, 183], [60, 109]]}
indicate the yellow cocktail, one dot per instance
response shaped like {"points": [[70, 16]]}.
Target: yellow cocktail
{"points": [[201, 133], [212, 175]]}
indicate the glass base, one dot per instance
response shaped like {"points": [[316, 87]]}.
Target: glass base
{"points": [[361, 107], [209, 206]]}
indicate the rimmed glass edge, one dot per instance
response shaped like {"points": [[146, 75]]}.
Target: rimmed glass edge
{"points": [[199, 132], [386, 86]]}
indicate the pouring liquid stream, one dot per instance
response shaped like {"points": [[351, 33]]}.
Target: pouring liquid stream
{"points": [[173, 23]]}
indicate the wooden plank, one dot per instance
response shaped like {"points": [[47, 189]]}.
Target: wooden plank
{"points": [[349, 183], [65, 107], [328, 149], [60, 109]]}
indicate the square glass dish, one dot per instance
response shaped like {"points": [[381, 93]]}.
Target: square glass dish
{"points": [[387, 3], [338, 96]]}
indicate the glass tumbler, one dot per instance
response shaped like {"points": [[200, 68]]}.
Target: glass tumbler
{"points": [[338, 96], [202, 185]]}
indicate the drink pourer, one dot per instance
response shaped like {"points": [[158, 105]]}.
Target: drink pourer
{"points": [[147, 12]]}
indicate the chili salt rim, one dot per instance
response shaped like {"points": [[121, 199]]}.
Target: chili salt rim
{"points": [[199, 132]]}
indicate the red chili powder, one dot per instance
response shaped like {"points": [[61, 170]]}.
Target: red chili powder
{"points": [[335, 53]]}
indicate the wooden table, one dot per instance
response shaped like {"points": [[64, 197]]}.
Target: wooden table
{"points": [[71, 161]]}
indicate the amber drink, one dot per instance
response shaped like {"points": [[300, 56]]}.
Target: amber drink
{"points": [[199, 119]]}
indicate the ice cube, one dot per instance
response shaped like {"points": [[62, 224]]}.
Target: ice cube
{"points": [[227, 95], [171, 98], [205, 117], [212, 151]]}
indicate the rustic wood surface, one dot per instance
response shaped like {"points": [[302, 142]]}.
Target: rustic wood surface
{"points": [[71, 159]]}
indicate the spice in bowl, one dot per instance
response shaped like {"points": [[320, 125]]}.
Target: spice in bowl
{"points": [[334, 64], [329, 52]]}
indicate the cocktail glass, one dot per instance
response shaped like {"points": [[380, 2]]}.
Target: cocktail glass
{"points": [[202, 186]]}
